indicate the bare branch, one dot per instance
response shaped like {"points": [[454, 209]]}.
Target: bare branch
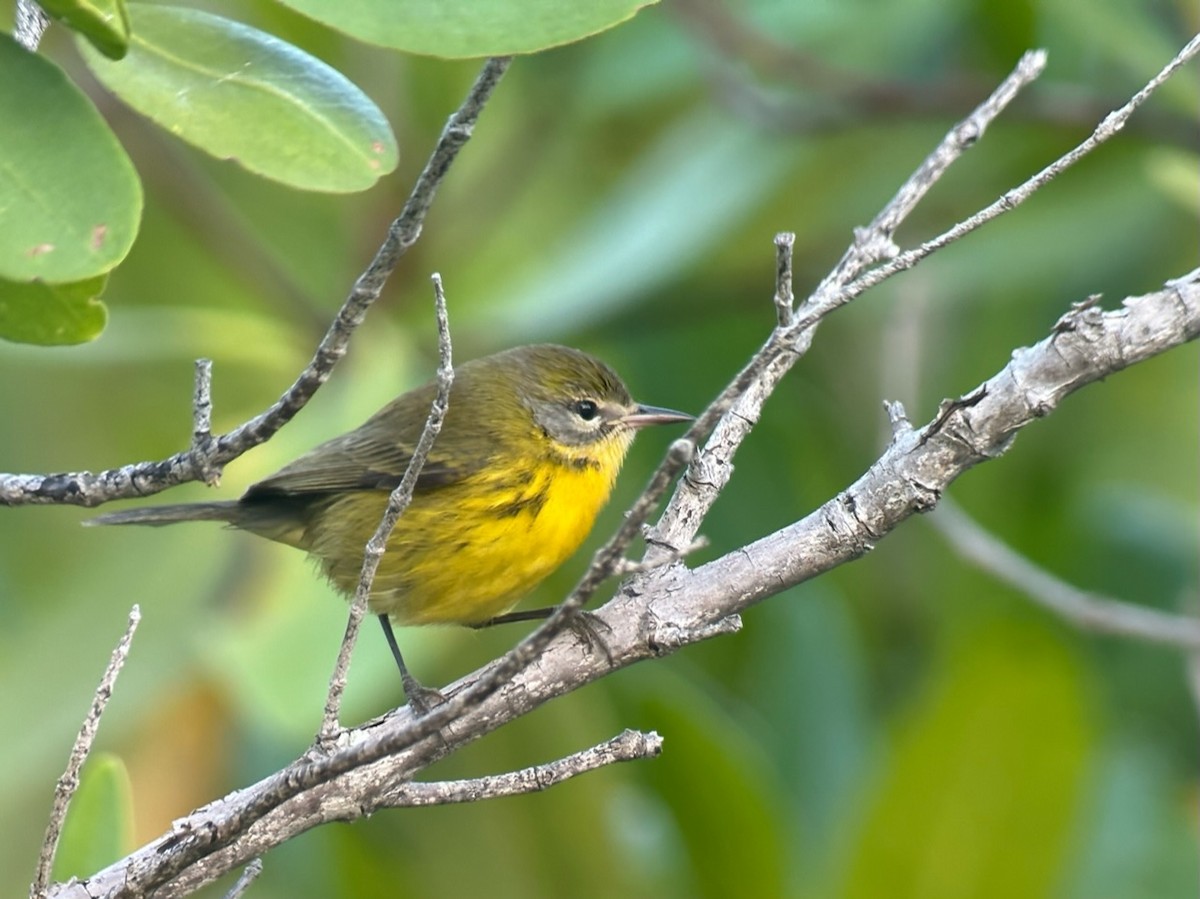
{"points": [[784, 299], [669, 607], [31, 24], [626, 567], [64, 791], [732, 415], [626, 746], [397, 503], [874, 243], [248, 877], [1108, 128], [202, 438], [666, 609], [1086, 610], [145, 478]]}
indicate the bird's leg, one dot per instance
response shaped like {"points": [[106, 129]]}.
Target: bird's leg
{"points": [[587, 626], [420, 697]]}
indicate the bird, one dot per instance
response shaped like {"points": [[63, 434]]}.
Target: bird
{"points": [[530, 448]]}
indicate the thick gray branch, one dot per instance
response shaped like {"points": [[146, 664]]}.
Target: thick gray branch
{"points": [[1087, 345]]}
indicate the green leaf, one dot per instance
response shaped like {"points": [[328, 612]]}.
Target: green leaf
{"points": [[70, 201], [981, 792], [239, 93], [465, 28], [52, 314], [105, 23], [99, 825]]}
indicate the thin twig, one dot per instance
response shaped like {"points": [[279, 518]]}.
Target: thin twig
{"points": [[1109, 127], [913, 473], [784, 300], [202, 438], [626, 567], [397, 503], [31, 24], [64, 791], [874, 243], [248, 877], [626, 746], [145, 478], [1085, 609]]}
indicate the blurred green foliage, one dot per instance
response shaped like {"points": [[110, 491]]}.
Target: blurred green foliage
{"points": [[905, 726]]}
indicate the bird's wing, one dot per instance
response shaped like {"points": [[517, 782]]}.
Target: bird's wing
{"points": [[375, 457], [363, 466]]}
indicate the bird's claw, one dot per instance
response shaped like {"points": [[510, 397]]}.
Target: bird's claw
{"points": [[589, 628], [421, 699]]}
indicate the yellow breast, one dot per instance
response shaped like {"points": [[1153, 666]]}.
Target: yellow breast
{"points": [[469, 551]]}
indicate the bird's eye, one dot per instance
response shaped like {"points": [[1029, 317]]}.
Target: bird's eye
{"points": [[586, 409]]}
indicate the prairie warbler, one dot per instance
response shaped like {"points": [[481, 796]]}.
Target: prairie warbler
{"points": [[529, 449]]}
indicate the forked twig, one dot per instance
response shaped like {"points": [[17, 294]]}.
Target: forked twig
{"points": [[628, 745], [64, 791]]}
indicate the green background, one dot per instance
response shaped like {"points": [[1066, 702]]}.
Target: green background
{"points": [[905, 726]]}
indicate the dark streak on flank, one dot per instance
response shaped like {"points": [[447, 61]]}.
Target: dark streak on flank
{"points": [[531, 503]]}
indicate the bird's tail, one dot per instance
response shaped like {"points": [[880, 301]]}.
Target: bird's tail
{"points": [[229, 512]]}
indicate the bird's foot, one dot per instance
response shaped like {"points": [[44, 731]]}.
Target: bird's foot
{"points": [[590, 628], [421, 699]]}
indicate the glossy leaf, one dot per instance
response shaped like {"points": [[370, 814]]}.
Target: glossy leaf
{"points": [[105, 23], [70, 201], [465, 28], [52, 314], [99, 825], [241, 94]]}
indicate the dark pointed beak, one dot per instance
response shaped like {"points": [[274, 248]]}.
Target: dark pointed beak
{"points": [[644, 416]]}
